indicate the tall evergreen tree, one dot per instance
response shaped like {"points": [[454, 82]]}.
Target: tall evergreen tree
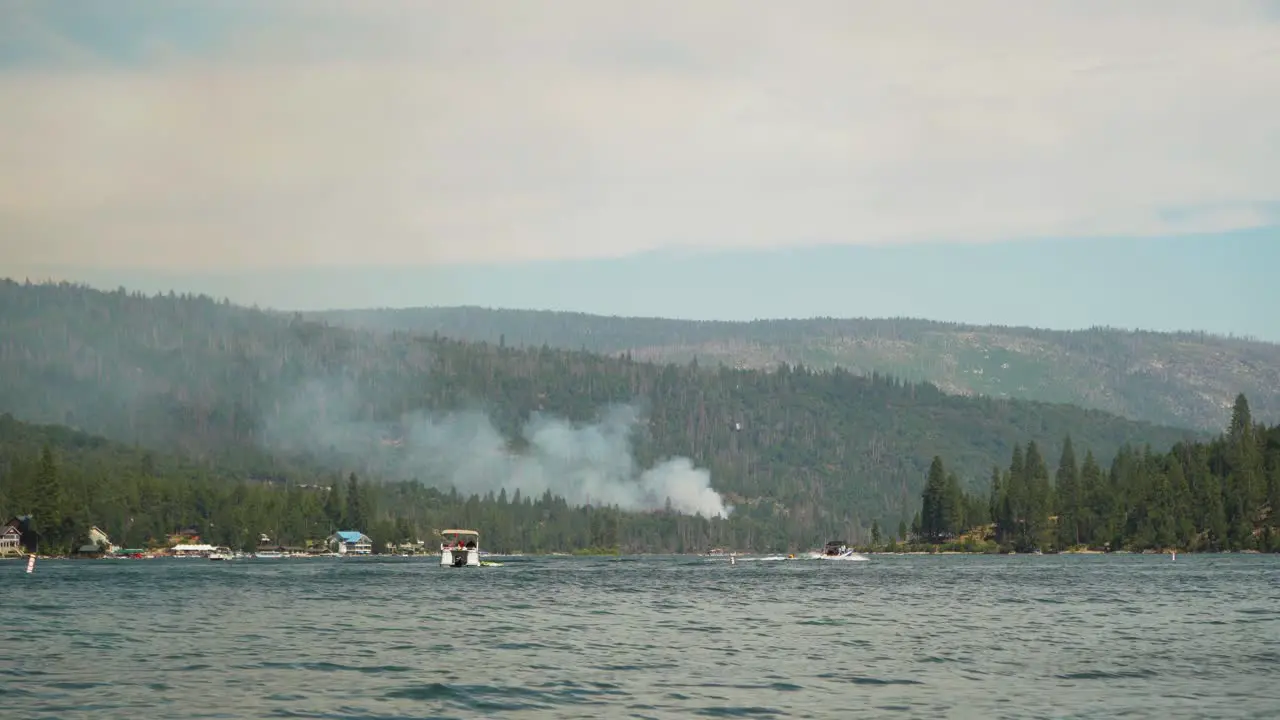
{"points": [[1245, 476], [1272, 445], [1092, 493], [1012, 518], [1069, 496], [1039, 496], [356, 516], [1184, 529], [49, 502], [933, 509], [995, 500], [334, 510], [954, 510]]}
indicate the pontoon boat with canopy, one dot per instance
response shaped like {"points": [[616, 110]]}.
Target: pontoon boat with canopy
{"points": [[459, 548]]}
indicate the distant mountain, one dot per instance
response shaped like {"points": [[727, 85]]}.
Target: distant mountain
{"points": [[1181, 379], [264, 394]]}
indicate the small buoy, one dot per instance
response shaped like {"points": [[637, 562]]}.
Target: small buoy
{"points": [[31, 563]]}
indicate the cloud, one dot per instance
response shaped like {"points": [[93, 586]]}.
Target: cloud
{"points": [[327, 133]]}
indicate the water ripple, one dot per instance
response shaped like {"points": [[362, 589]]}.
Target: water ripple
{"points": [[1082, 636]]}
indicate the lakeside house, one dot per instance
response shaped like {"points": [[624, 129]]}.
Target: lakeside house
{"points": [[350, 542], [410, 547], [265, 544], [98, 545], [18, 536], [10, 539], [98, 537]]}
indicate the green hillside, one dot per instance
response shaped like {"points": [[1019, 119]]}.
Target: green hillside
{"points": [[66, 481], [1180, 379], [264, 395], [1196, 496]]}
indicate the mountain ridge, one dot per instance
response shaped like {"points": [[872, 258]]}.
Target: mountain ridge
{"points": [[949, 324], [1185, 378]]}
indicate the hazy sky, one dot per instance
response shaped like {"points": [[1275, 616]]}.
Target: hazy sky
{"points": [[228, 138]]}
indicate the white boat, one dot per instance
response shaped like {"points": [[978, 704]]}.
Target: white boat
{"points": [[837, 550], [459, 548], [220, 553], [272, 554]]}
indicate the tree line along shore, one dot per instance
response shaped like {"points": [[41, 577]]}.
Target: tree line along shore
{"points": [[1195, 496]]}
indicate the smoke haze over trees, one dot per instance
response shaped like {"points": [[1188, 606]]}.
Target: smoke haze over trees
{"points": [[584, 463], [258, 404]]}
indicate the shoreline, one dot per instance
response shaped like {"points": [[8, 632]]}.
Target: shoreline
{"points": [[163, 556]]}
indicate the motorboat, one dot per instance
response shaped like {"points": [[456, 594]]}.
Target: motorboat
{"points": [[221, 553], [838, 550], [459, 548]]}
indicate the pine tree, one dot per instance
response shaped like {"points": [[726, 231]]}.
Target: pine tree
{"points": [[1068, 495], [933, 506], [355, 518], [954, 520], [995, 502], [1092, 492], [1184, 528], [1241, 419], [48, 502], [333, 507], [1039, 496], [1166, 522], [1273, 485], [1013, 505], [1245, 481]]}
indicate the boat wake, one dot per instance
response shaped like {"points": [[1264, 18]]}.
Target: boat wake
{"points": [[846, 557]]}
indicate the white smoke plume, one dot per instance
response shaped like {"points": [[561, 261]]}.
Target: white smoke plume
{"points": [[583, 463]]}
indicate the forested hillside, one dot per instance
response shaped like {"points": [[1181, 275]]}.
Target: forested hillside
{"points": [[68, 480], [1218, 495], [264, 396], [1180, 379], [1196, 496]]}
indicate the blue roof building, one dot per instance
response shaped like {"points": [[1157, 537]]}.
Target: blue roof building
{"points": [[351, 542]]}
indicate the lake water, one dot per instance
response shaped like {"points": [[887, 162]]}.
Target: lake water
{"points": [[906, 636]]}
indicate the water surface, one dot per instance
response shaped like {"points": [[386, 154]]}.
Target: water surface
{"points": [[904, 636]]}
